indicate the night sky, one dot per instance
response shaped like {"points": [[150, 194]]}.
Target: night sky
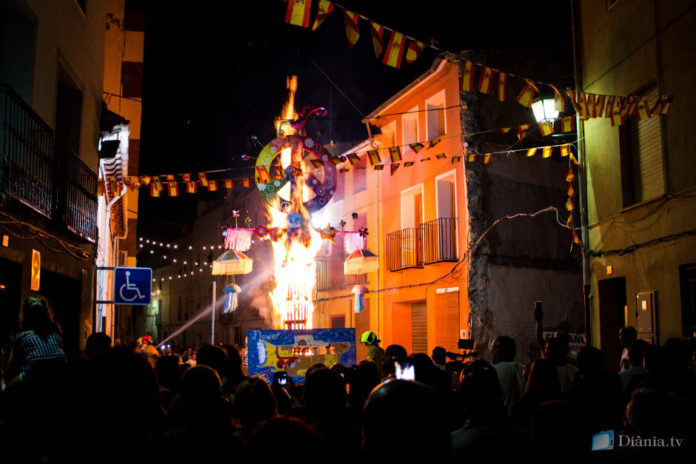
{"points": [[214, 76]]}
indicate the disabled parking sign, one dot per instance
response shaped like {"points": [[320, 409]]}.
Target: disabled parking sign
{"points": [[132, 285]]}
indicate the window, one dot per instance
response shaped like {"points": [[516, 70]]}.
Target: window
{"points": [[641, 156], [409, 127], [338, 322], [68, 113], [360, 175], [435, 115], [389, 135]]}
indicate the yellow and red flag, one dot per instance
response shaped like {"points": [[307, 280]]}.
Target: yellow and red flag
{"points": [[101, 187], [581, 100], [172, 185], [416, 146], [191, 187], [262, 174], [395, 154], [324, 10], [571, 190], [373, 156], [353, 158], [522, 131], [298, 12], [527, 94], [568, 124], [145, 180], [485, 80], [394, 167], [600, 100], [186, 177], [467, 80], [395, 50], [352, 29], [574, 159], [336, 160], [569, 206], [531, 152], [133, 182], [316, 163], [662, 105], [502, 86], [212, 186], [415, 48], [229, 183], [505, 130], [408, 164], [643, 109], [487, 158], [246, 182], [590, 102], [565, 151], [573, 100], [114, 186], [440, 156], [203, 179], [609, 109], [546, 152], [434, 142], [559, 101], [471, 158], [155, 187], [456, 159], [377, 37], [569, 221], [546, 128], [570, 175], [379, 167], [576, 239]]}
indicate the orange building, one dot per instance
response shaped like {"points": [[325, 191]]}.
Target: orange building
{"points": [[416, 218]]}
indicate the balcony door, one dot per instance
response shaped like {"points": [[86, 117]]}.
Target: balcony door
{"points": [[411, 219], [446, 218]]}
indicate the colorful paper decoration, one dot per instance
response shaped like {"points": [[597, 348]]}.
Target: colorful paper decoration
{"points": [[395, 50], [232, 262], [323, 12], [359, 299], [297, 13], [361, 262], [231, 299]]}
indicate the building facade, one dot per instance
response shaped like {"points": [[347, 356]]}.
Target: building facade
{"points": [[640, 175]]}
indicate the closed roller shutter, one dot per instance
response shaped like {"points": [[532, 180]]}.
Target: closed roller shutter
{"points": [[447, 320], [419, 328], [646, 155]]}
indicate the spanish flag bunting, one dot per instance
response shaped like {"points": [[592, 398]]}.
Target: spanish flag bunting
{"points": [[408, 164], [471, 158], [343, 170], [522, 131], [582, 104], [546, 128], [576, 239], [600, 101], [571, 190], [316, 163], [352, 29], [133, 182], [114, 186], [643, 109], [425, 159], [531, 152], [415, 48], [353, 158], [377, 38], [574, 159], [395, 50], [336, 160], [559, 101], [502, 86], [505, 130], [569, 221], [394, 167], [617, 119], [395, 154], [487, 158], [212, 186], [662, 105], [101, 186], [568, 124], [262, 174], [569, 206], [609, 108], [565, 150], [298, 12], [373, 156], [434, 142], [546, 152], [186, 177], [570, 175], [440, 156], [172, 185], [323, 12], [573, 100], [628, 105], [590, 102], [486, 80], [203, 179], [416, 146], [526, 95], [456, 159], [156, 186], [246, 182], [191, 187], [229, 183], [467, 80], [145, 180], [379, 167]]}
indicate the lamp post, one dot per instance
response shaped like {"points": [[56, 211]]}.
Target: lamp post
{"points": [[544, 108]]}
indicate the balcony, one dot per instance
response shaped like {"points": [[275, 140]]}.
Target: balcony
{"points": [[429, 243], [76, 194], [26, 154]]}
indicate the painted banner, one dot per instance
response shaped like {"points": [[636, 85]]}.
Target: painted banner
{"points": [[295, 351]]}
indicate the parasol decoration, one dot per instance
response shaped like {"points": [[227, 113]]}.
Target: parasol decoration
{"points": [[232, 262], [361, 262]]}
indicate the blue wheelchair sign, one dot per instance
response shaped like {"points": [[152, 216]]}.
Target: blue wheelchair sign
{"points": [[132, 285]]}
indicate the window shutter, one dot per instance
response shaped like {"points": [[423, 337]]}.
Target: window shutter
{"points": [[419, 328], [646, 155]]}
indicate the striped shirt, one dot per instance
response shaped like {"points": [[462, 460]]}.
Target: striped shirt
{"points": [[30, 349]]}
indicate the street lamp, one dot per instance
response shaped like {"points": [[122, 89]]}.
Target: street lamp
{"points": [[544, 108]]}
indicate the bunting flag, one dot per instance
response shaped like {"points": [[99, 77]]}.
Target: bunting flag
{"points": [[643, 109], [505, 130], [522, 131], [467, 80], [415, 48], [133, 182], [570, 175], [352, 29], [569, 206], [576, 239], [203, 179], [212, 186], [502, 86], [531, 152], [526, 95], [246, 182], [316, 163], [599, 105], [573, 100], [569, 221], [186, 177], [631, 106], [574, 159], [591, 108], [582, 104], [568, 124], [425, 159], [395, 50], [571, 190], [323, 12], [662, 106], [471, 158], [377, 38], [262, 174], [546, 152], [486, 80], [297, 13], [155, 187], [336, 160], [565, 150], [394, 167], [440, 156], [559, 101], [353, 158], [395, 154], [379, 167], [343, 170], [408, 164], [101, 187], [456, 159], [145, 180], [617, 119], [416, 146], [373, 156], [487, 158], [172, 185], [114, 186], [546, 128], [434, 142], [229, 183], [609, 109], [191, 187]]}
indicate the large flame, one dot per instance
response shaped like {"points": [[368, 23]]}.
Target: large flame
{"points": [[294, 257]]}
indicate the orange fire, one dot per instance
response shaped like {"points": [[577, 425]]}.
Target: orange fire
{"points": [[294, 264]]}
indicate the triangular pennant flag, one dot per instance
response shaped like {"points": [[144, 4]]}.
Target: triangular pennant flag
{"points": [[172, 185], [546, 152], [352, 29], [471, 158], [569, 221], [416, 146], [570, 175], [571, 190], [191, 187], [565, 150], [609, 108], [212, 186], [576, 239], [408, 164], [466, 83], [415, 48], [546, 128], [526, 95], [145, 180], [573, 159], [662, 105], [485, 80], [373, 156], [522, 131], [643, 109], [569, 206], [632, 105], [379, 167], [456, 159], [262, 174], [440, 156], [336, 160], [568, 124], [600, 101], [203, 179], [505, 130], [502, 86], [325, 8], [394, 167], [353, 158], [487, 158], [425, 159], [395, 50], [581, 100], [246, 182], [229, 183], [377, 38], [531, 152], [434, 142], [591, 107], [395, 154], [316, 163], [298, 12]]}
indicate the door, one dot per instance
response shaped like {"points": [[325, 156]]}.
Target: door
{"points": [[612, 301], [419, 328]]}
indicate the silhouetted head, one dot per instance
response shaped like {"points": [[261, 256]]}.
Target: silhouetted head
{"points": [[212, 356], [543, 380], [481, 394], [556, 351], [646, 412], [590, 361], [169, 372], [286, 440], [254, 402], [98, 344], [627, 335], [325, 394], [37, 315], [504, 349], [395, 351], [200, 393], [439, 355]]}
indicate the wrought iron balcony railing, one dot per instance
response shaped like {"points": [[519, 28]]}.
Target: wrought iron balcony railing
{"points": [[430, 242], [330, 274], [26, 154], [405, 249], [78, 199]]}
